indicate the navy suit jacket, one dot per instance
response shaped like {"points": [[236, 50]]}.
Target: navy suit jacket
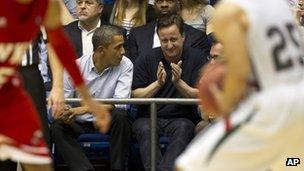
{"points": [[74, 34], [141, 39]]}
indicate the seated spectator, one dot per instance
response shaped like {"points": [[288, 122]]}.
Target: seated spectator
{"points": [[144, 38], [130, 13], [81, 30], [170, 71], [198, 14], [108, 74]]}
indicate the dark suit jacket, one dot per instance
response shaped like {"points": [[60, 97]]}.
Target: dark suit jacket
{"points": [[141, 39], [74, 34]]}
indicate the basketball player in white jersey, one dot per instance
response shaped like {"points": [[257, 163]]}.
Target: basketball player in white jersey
{"points": [[265, 127]]}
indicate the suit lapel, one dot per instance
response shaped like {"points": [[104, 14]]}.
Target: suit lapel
{"points": [[148, 37]]}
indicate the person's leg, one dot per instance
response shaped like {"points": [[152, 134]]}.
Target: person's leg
{"points": [[33, 84], [180, 132], [65, 138], [121, 131], [8, 165], [141, 129]]}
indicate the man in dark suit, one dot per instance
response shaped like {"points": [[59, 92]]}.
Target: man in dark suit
{"points": [[81, 30], [144, 38]]}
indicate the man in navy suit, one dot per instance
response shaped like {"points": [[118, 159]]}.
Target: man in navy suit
{"points": [[144, 38], [81, 30]]}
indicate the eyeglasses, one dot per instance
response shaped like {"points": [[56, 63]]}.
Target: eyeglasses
{"points": [[162, 1]]}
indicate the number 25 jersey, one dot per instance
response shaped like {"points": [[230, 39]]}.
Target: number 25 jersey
{"points": [[274, 42]]}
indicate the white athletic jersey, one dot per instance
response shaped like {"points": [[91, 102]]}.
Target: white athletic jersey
{"points": [[274, 41]]}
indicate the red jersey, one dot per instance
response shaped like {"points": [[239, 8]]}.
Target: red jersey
{"points": [[19, 24]]}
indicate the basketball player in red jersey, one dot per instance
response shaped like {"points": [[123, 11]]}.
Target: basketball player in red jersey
{"points": [[20, 133]]}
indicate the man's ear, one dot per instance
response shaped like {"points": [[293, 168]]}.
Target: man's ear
{"points": [[101, 9], [100, 49], [183, 37]]}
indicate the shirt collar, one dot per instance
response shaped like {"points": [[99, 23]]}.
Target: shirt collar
{"points": [[93, 68], [83, 29]]}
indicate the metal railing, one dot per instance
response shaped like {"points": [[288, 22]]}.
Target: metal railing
{"points": [[153, 115]]}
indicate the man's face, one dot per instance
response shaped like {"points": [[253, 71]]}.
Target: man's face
{"points": [[88, 9], [165, 6], [114, 51], [171, 42]]}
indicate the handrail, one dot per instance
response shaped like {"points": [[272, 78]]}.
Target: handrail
{"points": [[153, 113], [181, 101]]}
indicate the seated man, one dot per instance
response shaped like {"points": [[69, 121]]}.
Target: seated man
{"points": [[144, 38], [81, 31], [108, 74], [170, 71]]}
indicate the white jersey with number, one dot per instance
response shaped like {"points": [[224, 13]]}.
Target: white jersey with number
{"points": [[274, 42], [267, 128]]}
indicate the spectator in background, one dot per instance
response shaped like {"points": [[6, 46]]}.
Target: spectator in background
{"points": [[198, 14], [130, 13], [169, 71], [81, 30], [108, 74], [144, 38]]}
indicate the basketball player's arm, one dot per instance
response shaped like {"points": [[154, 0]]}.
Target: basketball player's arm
{"points": [[67, 56], [65, 16], [230, 26], [56, 97]]}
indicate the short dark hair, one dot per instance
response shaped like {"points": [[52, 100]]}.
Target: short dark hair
{"points": [[168, 20], [103, 35]]}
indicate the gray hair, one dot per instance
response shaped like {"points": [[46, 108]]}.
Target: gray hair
{"points": [[103, 35]]}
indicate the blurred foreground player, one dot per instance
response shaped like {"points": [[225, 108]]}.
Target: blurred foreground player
{"points": [[20, 131], [265, 127]]}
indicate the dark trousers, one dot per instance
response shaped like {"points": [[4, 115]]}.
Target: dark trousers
{"points": [[33, 84], [65, 138], [179, 131]]}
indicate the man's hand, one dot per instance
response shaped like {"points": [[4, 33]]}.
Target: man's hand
{"points": [[176, 71], [56, 102], [161, 74]]}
